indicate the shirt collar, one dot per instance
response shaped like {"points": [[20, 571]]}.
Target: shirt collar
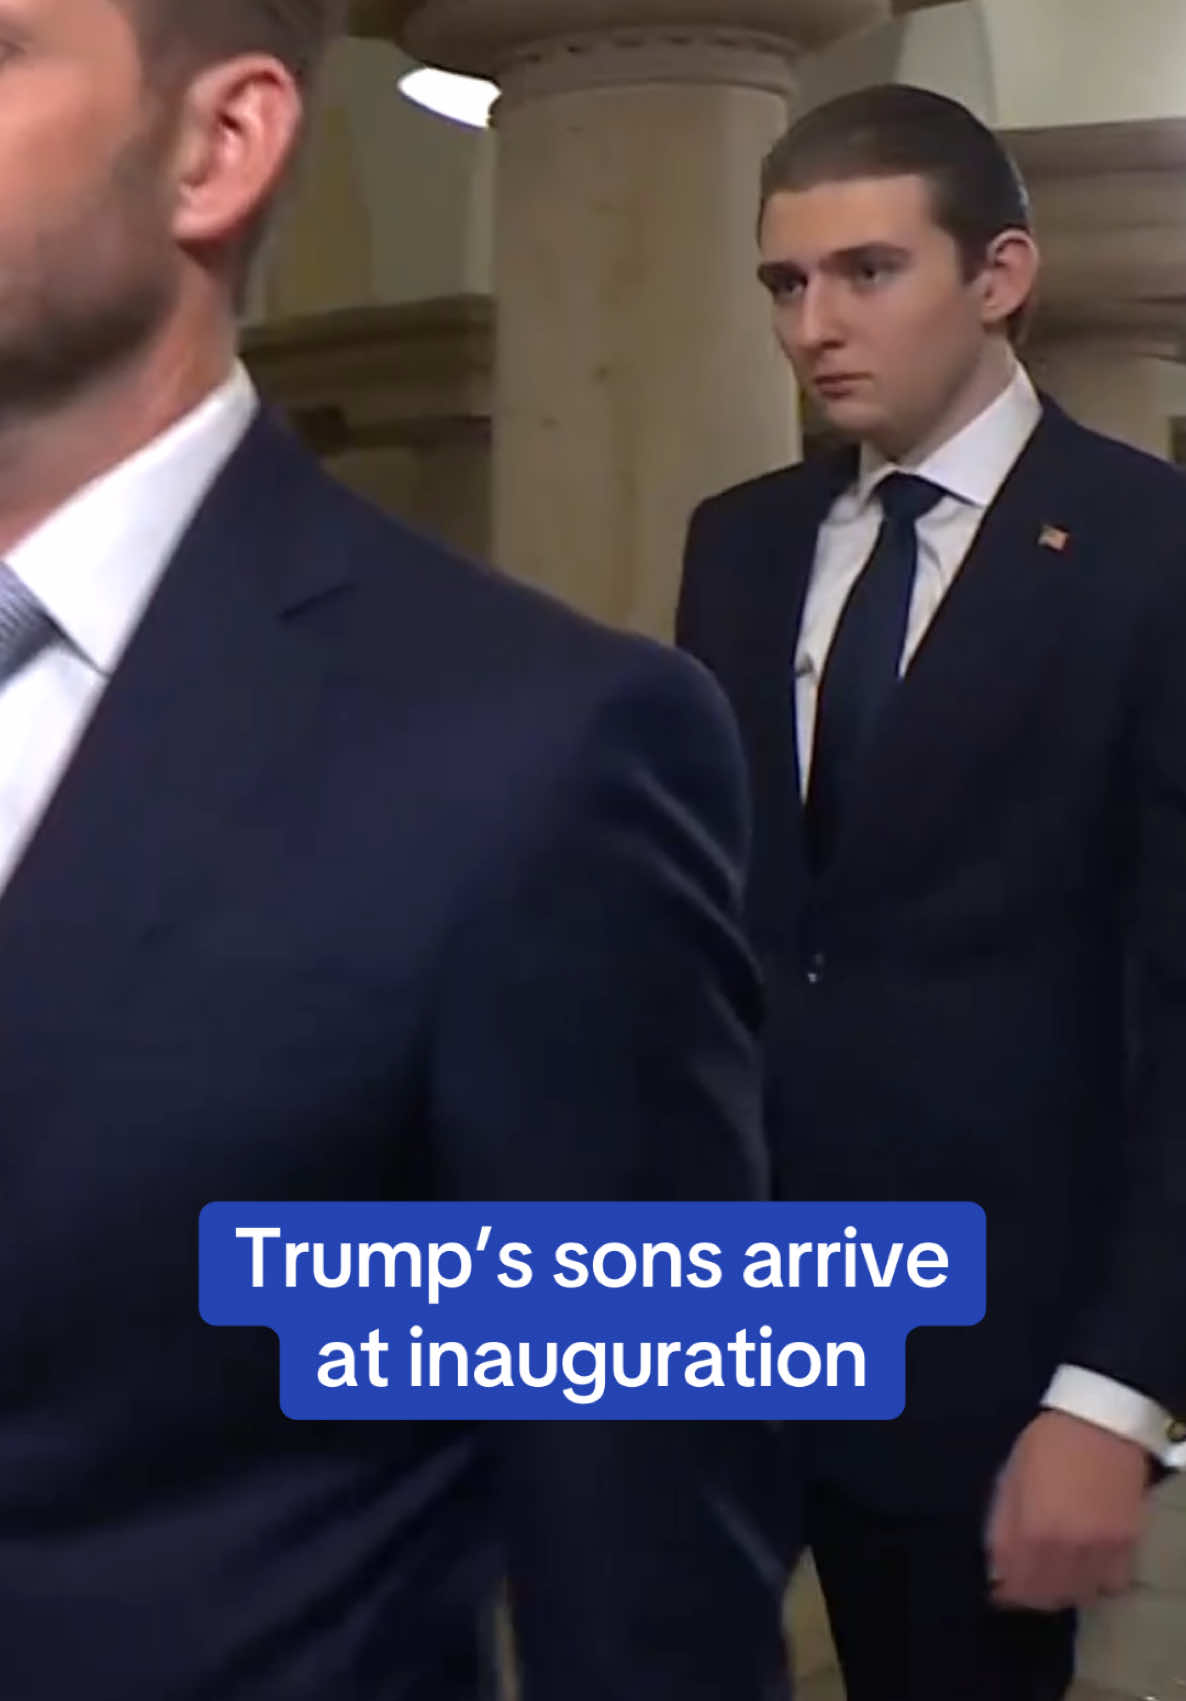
{"points": [[974, 464], [95, 562]]}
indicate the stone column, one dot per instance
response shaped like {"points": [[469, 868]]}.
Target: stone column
{"points": [[635, 371], [635, 367]]}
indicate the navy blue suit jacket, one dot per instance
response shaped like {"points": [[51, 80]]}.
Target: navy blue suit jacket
{"points": [[374, 877], [984, 997]]}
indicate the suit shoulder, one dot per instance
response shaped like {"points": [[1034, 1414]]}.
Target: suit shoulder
{"points": [[493, 635], [1113, 468], [754, 496]]}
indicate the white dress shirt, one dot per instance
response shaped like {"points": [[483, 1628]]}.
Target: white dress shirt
{"points": [[971, 467], [94, 565]]}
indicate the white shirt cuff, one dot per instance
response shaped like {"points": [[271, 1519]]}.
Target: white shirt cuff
{"points": [[1113, 1405]]}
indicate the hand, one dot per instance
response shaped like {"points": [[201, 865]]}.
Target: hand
{"points": [[1068, 1512]]}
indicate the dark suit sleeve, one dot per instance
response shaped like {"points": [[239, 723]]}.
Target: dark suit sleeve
{"points": [[596, 1039], [1135, 1331]]}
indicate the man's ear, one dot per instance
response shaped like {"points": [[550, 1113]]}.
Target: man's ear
{"points": [[239, 130], [1009, 276]]}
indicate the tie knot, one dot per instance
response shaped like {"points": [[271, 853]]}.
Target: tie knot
{"points": [[903, 496], [24, 624]]}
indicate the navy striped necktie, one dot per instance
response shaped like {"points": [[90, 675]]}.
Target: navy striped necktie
{"points": [[24, 625]]}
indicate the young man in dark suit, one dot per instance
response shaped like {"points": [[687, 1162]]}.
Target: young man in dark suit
{"points": [[331, 867], [956, 652]]}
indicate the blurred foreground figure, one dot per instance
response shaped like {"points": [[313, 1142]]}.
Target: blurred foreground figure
{"points": [[332, 868]]}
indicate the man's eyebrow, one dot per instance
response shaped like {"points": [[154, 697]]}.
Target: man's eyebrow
{"points": [[775, 274], [782, 272], [880, 250]]}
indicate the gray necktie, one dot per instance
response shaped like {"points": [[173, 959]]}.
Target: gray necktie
{"points": [[24, 625]]}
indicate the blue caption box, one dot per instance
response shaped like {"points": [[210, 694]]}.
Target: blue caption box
{"points": [[520, 1311]]}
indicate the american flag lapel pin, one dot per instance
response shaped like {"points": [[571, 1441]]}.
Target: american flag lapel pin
{"points": [[1053, 537]]}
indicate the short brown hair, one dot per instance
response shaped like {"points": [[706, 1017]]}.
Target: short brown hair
{"points": [[192, 33], [180, 37], [893, 130]]}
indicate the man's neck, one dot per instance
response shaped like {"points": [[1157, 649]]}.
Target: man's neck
{"points": [[988, 382], [48, 456]]}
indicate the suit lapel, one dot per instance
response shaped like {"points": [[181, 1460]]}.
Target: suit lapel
{"points": [[834, 474], [978, 665], [783, 549], [216, 681]]}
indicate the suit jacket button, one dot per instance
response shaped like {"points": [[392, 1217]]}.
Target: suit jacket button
{"points": [[816, 964]]}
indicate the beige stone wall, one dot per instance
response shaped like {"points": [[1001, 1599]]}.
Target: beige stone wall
{"points": [[396, 401]]}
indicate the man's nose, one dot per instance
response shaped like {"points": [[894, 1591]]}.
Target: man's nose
{"points": [[816, 324]]}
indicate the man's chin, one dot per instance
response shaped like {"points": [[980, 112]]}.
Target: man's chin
{"points": [[850, 416]]}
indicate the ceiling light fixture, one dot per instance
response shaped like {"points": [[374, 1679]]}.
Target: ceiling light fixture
{"points": [[465, 100]]}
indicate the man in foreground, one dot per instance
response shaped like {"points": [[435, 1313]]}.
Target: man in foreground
{"points": [[332, 868]]}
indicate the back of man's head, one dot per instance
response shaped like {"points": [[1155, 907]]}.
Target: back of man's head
{"points": [[179, 39]]}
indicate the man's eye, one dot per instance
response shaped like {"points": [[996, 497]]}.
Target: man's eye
{"points": [[872, 271], [782, 283]]}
